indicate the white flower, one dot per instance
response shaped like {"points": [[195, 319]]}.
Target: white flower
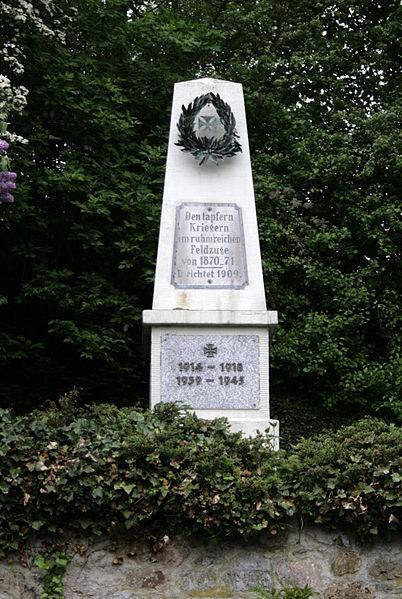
{"points": [[17, 16]]}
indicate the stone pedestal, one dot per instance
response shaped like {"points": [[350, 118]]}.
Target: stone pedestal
{"points": [[209, 326]]}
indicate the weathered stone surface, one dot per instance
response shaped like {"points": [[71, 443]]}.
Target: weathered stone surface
{"points": [[299, 574], [245, 580], [130, 568], [172, 555], [387, 570], [322, 537], [346, 562], [247, 571], [196, 580], [155, 579], [352, 590], [15, 584]]}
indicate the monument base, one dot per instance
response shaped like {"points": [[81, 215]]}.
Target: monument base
{"points": [[215, 362]]}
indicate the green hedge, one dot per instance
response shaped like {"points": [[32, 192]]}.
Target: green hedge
{"points": [[97, 468]]}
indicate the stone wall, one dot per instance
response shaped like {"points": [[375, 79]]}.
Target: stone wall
{"points": [[333, 563]]}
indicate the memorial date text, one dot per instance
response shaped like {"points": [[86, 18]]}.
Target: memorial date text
{"points": [[197, 380], [199, 366], [230, 376]]}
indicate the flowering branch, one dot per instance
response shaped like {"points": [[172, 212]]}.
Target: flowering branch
{"points": [[6, 177]]}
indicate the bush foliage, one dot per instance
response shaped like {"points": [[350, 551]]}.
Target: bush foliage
{"points": [[97, 468]]}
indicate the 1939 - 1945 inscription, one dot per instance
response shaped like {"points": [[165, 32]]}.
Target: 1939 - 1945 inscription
{"points": [[211, 371], [209, 250]]}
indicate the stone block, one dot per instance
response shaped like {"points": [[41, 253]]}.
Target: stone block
{"points": [[244, 580], [154, 580], [249, 570], [386, 570], [346, 562], [351, 590], [211, 371], [239, 392], [197, 580], [14, 584], [299, 574]]}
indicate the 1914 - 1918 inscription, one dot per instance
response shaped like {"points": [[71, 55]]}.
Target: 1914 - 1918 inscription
{"points": [[211, 371], [209, 250]]}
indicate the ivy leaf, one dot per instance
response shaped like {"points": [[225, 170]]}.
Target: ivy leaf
{"points": [[127, 487], [97, 493], [37, 524]]}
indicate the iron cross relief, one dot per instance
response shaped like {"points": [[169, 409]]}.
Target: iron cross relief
{"points": [[210, 350], [207, 124]]}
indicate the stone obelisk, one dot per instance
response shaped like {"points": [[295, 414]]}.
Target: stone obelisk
{"points": [[210, 329]]}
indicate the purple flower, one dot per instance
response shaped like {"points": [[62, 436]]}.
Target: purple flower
{"points": [[3, 145], [7, 180], [6, 183], [6, 197]]}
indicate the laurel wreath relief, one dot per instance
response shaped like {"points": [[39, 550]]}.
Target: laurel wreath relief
{"points": [[203, 148]]}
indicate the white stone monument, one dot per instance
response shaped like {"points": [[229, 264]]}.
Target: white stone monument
{"points": [[209, 326]]}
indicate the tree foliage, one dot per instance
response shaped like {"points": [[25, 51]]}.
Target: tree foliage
{"points": [[17, 19], [323, 106]]}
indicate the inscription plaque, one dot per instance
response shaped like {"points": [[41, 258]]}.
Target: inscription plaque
{"points": [[211, 371], [209, 250]]}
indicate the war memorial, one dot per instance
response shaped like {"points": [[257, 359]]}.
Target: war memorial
{"points": [[209, 327]]}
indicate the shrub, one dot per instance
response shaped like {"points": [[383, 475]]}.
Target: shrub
{"points": [[352, 475], [99, 467]]}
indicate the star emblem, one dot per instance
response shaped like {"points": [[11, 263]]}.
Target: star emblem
{"points": [[207, 124]]}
